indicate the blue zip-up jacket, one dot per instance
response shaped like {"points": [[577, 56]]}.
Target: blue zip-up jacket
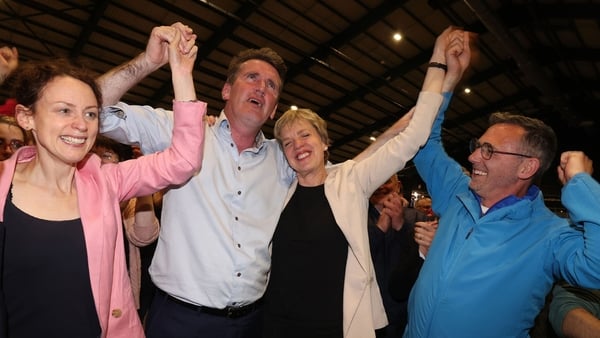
{"points": [[488, 275]]}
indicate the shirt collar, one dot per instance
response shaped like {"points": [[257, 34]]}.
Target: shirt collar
{"points": [[223, 124], [509, 200]]}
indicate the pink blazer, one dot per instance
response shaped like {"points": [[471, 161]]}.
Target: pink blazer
{"points": [[100, 188]]}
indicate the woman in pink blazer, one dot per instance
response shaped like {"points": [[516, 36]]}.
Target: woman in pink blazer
{"points": [[63, 264]]}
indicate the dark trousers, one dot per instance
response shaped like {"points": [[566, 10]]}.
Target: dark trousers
{"points": [[167, 318]]}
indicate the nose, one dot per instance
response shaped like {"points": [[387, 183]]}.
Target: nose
{"points": [[80, 123], [260, 89], [298, 143], [475, 156]]}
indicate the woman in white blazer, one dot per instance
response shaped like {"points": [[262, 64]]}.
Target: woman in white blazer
{"points": [[322, 282]]}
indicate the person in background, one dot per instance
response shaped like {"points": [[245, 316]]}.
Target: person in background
{"points": [[63, 267], [425, 229], [12, 136], [322, 280], [423, 204], [139, 219], [9, 61], [499, 249], [415, 246], [389, 225], [574, 311]]}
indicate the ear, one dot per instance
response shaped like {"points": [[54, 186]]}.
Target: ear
{"points": [[272, 116], [24, 117], [528, 168], [226, 91]]}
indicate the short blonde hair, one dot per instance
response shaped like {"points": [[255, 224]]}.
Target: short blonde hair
{"points": [[303, 114]]}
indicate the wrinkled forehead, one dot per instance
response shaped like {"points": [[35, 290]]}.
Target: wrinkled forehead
{"points": [[260, 67]]}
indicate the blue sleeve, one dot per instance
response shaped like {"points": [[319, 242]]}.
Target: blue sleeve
{"points": [[442, 174], [578, 256]]}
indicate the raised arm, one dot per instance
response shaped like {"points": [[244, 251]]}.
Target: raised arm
{"points": [[182, 66], [573, 163], [452, 49], [120, 79], [177, 163]]}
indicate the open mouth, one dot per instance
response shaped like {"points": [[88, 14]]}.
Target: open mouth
{"points": [[256, 102], [479, 172], [302, 156], [73, 140]]}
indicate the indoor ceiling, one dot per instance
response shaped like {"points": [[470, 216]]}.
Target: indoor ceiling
{"points": [[537, 58]]}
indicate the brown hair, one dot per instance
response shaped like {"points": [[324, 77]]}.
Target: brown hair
{"points": [[125, 152], [264, 54], [539, 140], [33, 77]]}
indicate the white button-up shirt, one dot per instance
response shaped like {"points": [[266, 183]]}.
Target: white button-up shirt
{"points": [[213, 248]]}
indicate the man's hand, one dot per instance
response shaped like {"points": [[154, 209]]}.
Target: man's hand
{"points": [[458, 58], [120, 79], [157, 49], [572, 163], [392, 212], [424, 234]]}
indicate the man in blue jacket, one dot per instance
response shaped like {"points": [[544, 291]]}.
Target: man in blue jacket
{"points": [[499, 249]]}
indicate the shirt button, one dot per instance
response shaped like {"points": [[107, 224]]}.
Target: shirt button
{"points": [[231, 144], [239, 192], [239, 168], [239, 245], [239, 274], [117, 313], [236, 218]]}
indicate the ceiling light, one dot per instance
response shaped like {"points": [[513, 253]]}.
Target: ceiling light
{"points": [[294, 107], [467, 90], [397, 37]]}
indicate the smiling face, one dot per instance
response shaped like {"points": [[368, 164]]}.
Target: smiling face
{"points": [[253, 95], [64, 121], [305, 151], [502, 175]]}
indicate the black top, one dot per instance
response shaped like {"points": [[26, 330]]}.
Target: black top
{"points": [[46, 281], [397, 263], [304, 297]]}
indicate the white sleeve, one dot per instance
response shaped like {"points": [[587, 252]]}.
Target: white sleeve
{"points": [[150, 128]]}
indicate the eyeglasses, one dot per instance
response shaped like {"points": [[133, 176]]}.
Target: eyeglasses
{"points": [[13, 144], [487, 150]]}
